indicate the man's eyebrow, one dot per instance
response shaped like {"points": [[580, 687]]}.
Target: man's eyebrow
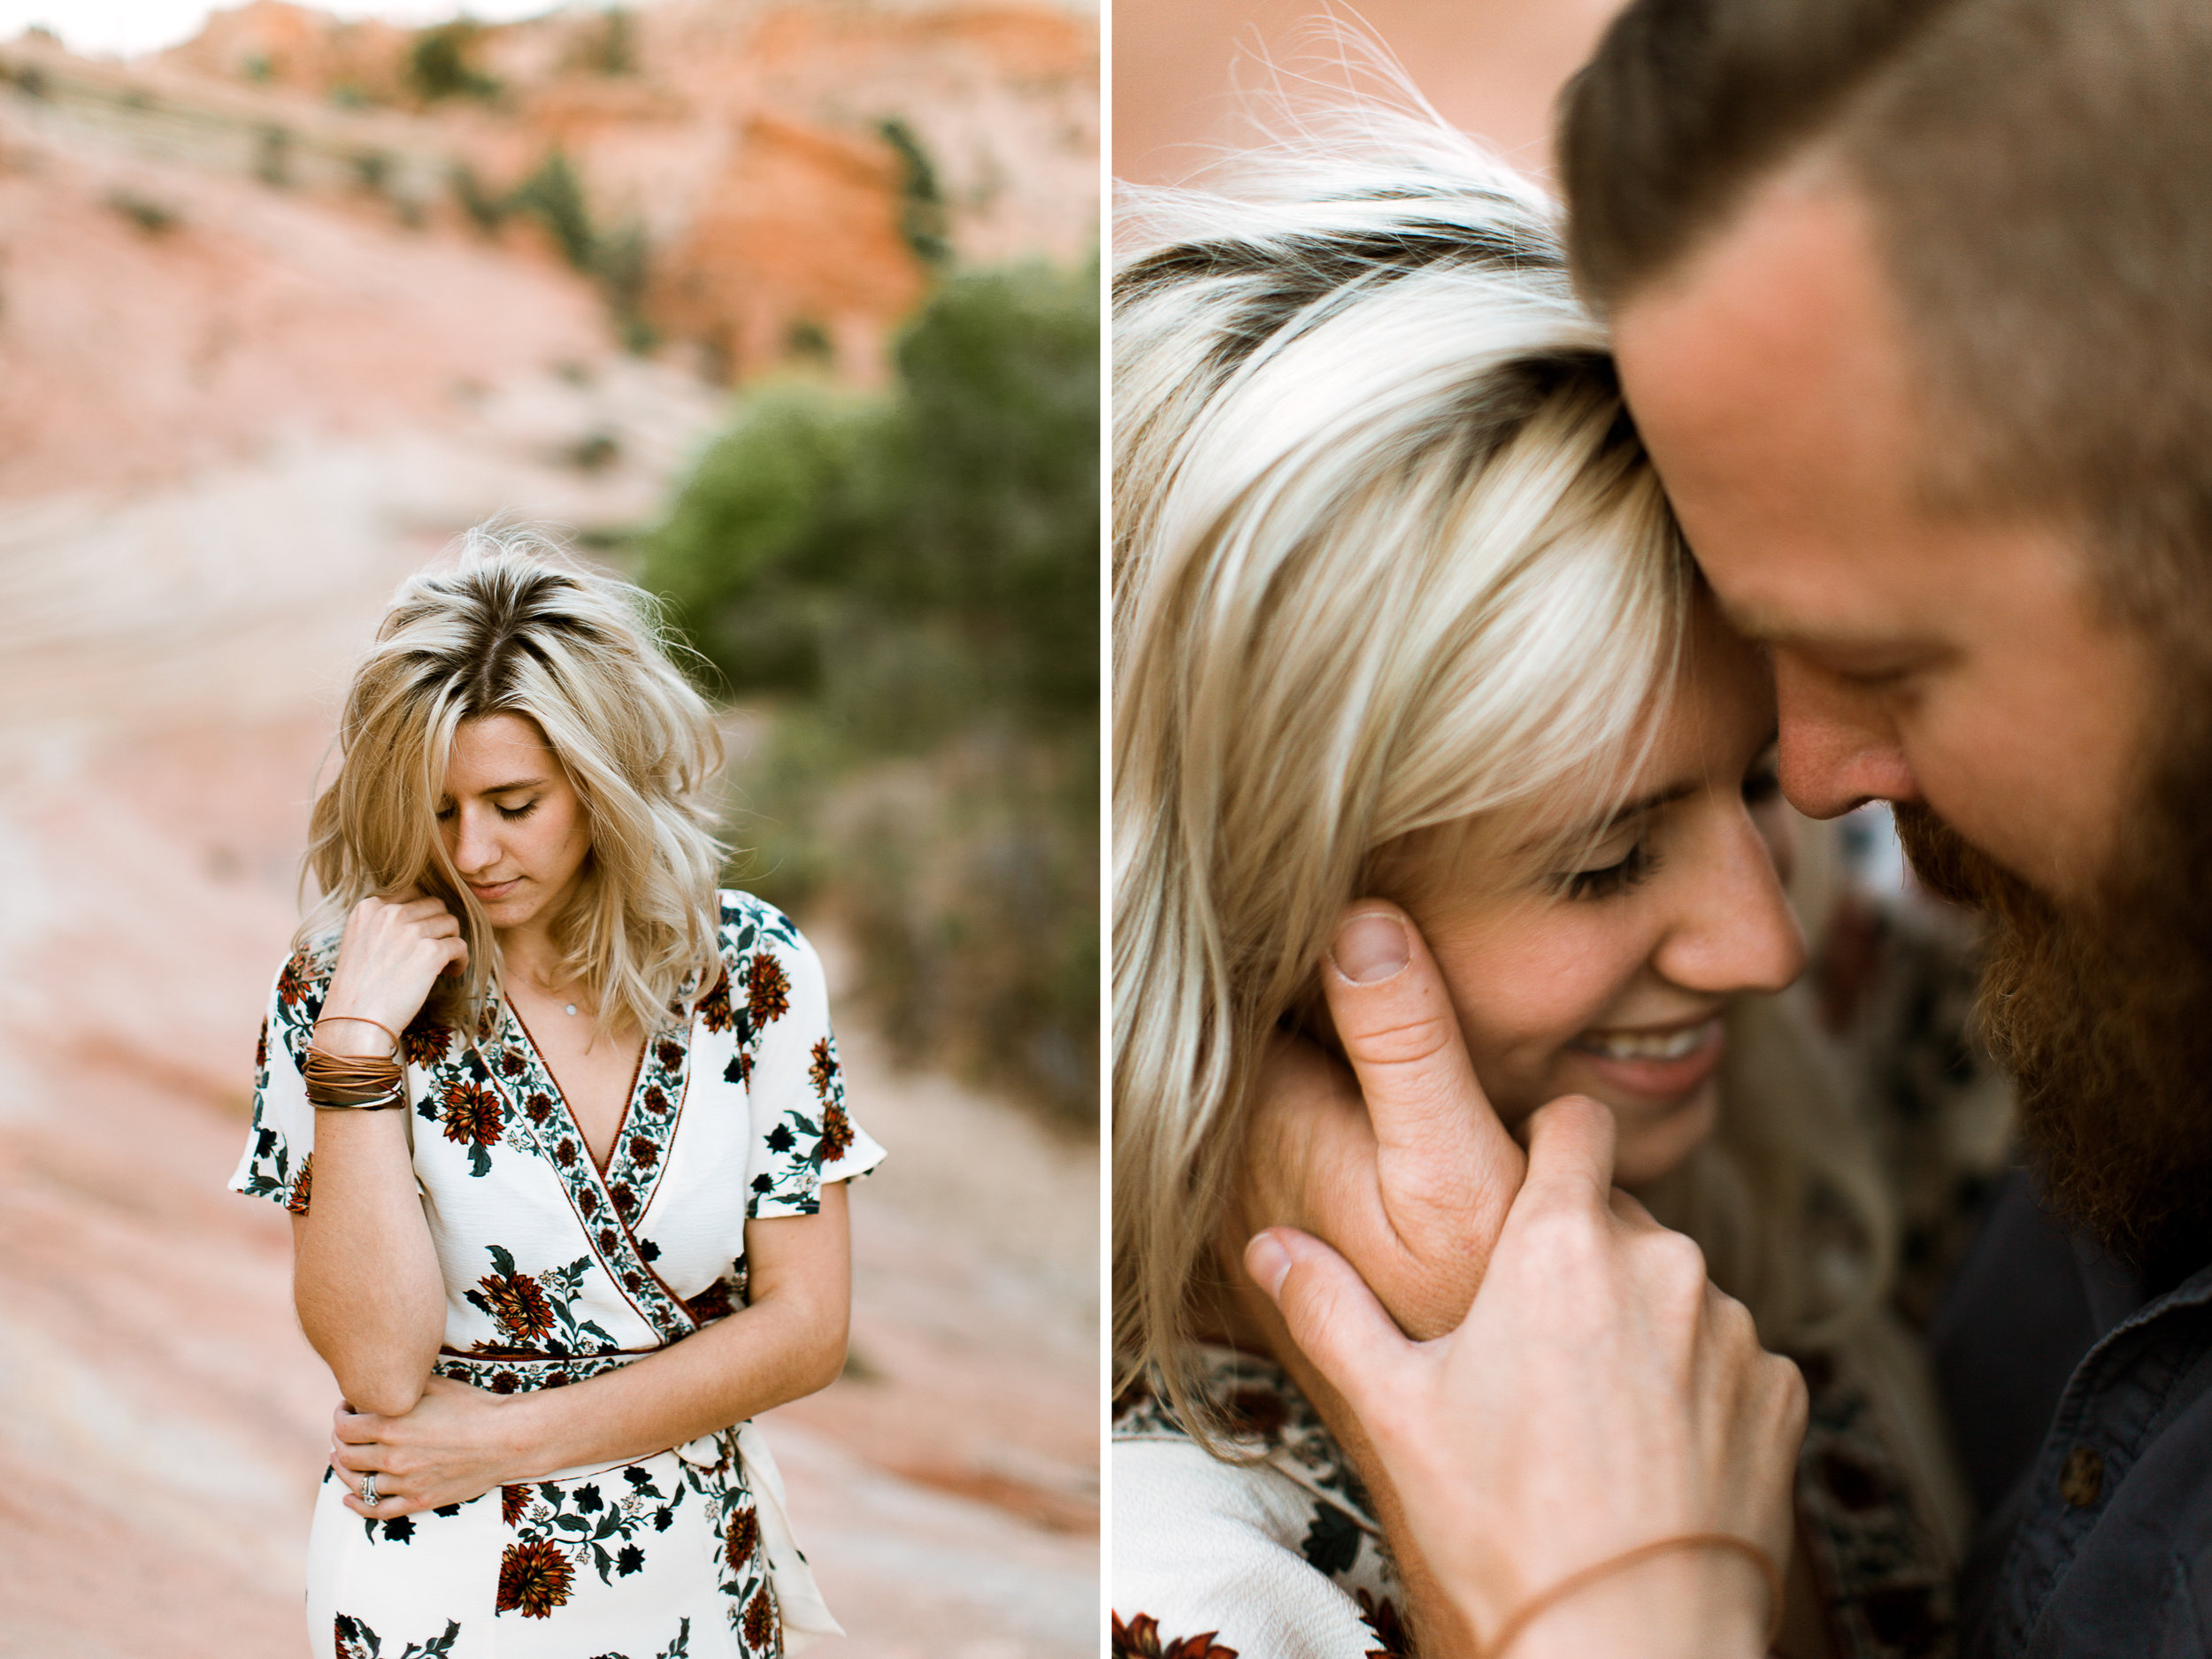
{"points": [[1774, 628]]}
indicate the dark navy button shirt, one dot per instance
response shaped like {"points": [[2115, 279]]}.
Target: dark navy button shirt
{"points": [[2084, 1419]]}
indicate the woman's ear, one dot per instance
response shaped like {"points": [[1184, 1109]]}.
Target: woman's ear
{"points": [[1309, 1017]]}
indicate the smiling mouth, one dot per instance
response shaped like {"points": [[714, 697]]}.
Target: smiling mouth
{"points": [[1647, 1045]]}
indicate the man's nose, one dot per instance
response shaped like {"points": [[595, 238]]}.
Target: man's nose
{"points": [[1839, 745]]}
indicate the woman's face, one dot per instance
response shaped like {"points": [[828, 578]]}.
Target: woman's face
{"points": [[1607, 979], [512, 820]]}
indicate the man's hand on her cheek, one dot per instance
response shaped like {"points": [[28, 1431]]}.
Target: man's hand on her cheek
{"points": [[1601, 1395], [1399, 1162]]}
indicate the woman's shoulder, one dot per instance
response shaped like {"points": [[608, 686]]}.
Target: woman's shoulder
{"points": [[1262, 1549], [305, 973], [746, 924], [766, 965], [1264, 1422]]}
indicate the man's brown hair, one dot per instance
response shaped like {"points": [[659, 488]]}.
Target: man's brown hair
{"points": [[2038, 172]]}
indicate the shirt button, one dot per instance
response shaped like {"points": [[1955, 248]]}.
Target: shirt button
{"points": [[2082, 1477]]}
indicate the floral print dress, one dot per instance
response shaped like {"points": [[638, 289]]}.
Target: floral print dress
{"points": [[1274, 1552], [556, 1270]]}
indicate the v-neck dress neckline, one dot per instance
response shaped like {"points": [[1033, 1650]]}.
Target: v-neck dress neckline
{"points": [[603, 1166]]}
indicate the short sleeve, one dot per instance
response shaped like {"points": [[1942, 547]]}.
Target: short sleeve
{"points": [[280, 1143], [804, 1131]]}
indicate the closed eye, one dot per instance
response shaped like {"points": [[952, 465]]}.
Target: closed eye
{"points": [[1605, 882]]}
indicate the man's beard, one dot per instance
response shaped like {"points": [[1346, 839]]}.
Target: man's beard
{"points": [[2102, 1012]]}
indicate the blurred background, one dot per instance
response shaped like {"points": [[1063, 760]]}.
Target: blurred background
{"points": [[787, 309], [1491, 67]]}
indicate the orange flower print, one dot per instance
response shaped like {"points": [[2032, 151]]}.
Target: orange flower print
{"points": [[1381, 1617], [711, 1304], [644, 1151], [471, 1113], [714, 1007], [1139, 1639], [514, 1502], [424, 1042], [518, 1306], [295, 1200], [760, 1622], [742, 1538], [837, 1133], [823, 1073], [767, 992], [292, 983], [534, 1578]]}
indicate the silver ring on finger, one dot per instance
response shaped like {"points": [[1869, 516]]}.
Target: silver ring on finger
{"points": [[368, 1490]]}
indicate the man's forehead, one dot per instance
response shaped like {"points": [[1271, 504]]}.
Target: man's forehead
{"points": [[1778, 331], [1767, 377]]}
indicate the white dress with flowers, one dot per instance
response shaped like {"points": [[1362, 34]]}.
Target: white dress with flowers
{"points": [[556, 1270]]}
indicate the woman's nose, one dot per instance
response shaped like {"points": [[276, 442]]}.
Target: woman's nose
{"points": [[473, 846], [1736, 931]]}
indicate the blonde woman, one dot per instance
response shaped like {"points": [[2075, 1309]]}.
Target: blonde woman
{"points": [[561, 1130], [1402, 618]]}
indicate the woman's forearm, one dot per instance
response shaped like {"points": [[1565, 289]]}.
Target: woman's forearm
{"points": [[365, 1276], [778, 1349]]}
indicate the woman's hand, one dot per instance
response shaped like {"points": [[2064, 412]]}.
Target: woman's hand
{"points": [[1400, 1164], [393, 952], [1600, 1395], [457, 1443]]}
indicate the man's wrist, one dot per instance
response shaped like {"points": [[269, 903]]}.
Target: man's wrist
{"points": [[1704, 1604]]}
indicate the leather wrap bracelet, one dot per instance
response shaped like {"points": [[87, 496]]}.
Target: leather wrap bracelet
{"points": [[354, 1082]]}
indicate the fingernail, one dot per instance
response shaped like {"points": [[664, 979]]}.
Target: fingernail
{"points": [[1370, 947], [1266, 1260]]}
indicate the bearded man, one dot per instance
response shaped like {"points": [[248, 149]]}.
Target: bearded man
{"points": [[1912, 301]]}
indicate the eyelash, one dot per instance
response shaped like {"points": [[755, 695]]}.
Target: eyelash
{"points": [[1641, 861], [510, 815], [1637, 867]]}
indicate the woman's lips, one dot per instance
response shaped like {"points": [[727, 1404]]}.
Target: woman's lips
{"points": [[1660, 1065], [493, 893]]}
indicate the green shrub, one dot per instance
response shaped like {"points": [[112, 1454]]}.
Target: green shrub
{"points": [[912, 582], [554, 195], [922, 218], [438, 63]]}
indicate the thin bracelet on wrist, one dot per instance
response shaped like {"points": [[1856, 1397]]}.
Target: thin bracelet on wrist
{"points": [[1544, 1600], [363, 1019]]}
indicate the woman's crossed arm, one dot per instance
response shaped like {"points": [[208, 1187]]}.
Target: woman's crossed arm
{"points": [[786, 1342]]}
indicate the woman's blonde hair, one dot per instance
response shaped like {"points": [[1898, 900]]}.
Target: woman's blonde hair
{"points": [[514, 626], [1388, 555]]}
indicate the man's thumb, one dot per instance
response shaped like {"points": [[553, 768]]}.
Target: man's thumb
{"points": [[1330, 1312]]}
